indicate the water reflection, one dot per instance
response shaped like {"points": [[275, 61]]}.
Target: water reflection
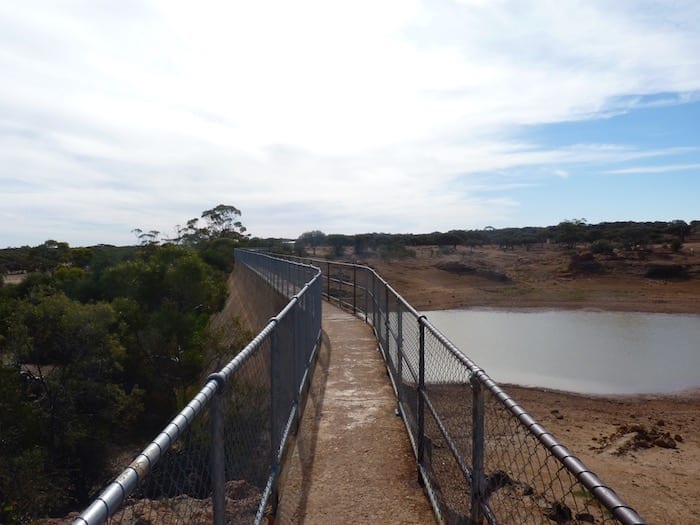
{"points": [[580, 351]]}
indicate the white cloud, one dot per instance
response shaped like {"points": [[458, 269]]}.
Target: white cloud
{"points": [[655, 169], [362, 116]]}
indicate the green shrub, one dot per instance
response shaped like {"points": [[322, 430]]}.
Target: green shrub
{"points": [[602, 246]]}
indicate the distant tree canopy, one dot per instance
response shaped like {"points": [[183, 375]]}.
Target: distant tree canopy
{"points": [[221, 221], [569, 234], [312, 239], [572, 231]]}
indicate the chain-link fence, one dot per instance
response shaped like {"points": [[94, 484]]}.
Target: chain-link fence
{"points": [[218, 460], [481, 456]]}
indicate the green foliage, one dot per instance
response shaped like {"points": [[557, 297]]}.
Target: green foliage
{"points": [[602, 246], [107, 351], [395, 251], [571, 232], [74, 282], [312, 239], [23, 464], [680, 228], [221, 221], [338, 243], [219, 253], [81, 257]]}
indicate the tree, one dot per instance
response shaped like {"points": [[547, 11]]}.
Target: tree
{"points": [[338, 242], [473, 238], [81, 257], [571, 232], [448, 239], [77, 361], [223, 222], [93, 358], [311, 239], [220, 253], [681, 229], [146, 238], [164, 304], [26, 484]]}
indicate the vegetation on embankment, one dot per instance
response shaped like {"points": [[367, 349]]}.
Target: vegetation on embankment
{"points": [[99, 348]]}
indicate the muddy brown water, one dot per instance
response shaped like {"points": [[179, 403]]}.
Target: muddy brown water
{"points": [[579, 351]]}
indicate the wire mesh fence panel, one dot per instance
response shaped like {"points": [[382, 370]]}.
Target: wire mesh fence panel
{"points": [[449, 404], [344, 286], [178, 489], [410, 348], [446, 477], [392, 336], [247, 405], [282, 375], [408, 380], [525, 481], [363, 279]]}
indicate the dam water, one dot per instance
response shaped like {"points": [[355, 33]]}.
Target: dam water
{"points": [[579, 351]]}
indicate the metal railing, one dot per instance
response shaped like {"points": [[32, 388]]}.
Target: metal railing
{"points": [[480, 455], [219, 459]]}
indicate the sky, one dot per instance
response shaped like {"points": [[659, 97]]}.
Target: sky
{"points": [[347, 117]]}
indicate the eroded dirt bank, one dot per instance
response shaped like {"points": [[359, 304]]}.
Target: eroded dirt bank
{"points": [[545, 277]]}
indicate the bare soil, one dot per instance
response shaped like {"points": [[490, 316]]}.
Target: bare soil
{"points": [[545, 276], [647, 447]]}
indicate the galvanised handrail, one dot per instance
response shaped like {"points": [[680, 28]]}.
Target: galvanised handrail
{"points": [[287, 278], [373, 297]]}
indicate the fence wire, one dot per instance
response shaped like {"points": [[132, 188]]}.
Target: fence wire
{"points": [[482, 457], [218, 461]]}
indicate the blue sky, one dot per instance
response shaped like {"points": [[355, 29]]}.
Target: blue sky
{"points": [[397, 116], [661, 185]]}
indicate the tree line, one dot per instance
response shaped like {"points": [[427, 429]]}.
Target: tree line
{"points": [[99, 348], [603, 236]]}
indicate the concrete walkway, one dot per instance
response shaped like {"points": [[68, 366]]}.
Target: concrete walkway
{"points": [[351, 461]]}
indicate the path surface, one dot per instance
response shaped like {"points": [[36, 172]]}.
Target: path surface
{"points": [[352, 461]]}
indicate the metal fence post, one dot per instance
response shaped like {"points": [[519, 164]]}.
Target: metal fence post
{"points": [[298, 361], [218, 465], [399, 357], [328, 284], [354, 290], [421, 401], [386, 321], [275, 430], [366, 295], [373, 303], [477, 481]]}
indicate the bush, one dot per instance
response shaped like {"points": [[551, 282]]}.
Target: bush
{"points": [[395, 251], [667, 271], [602, 246]]}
